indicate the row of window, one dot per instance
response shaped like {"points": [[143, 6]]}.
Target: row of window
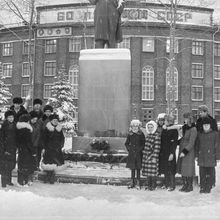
{"points": [[148, 45]]}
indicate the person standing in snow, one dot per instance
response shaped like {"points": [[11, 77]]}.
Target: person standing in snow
{"points": [[150, 163], [207, 152], [135, 144], [167, 156], [8, 148], [53, 144], [107, 21], [26, 151], [18, 108], [186, 158], [48, 110]]}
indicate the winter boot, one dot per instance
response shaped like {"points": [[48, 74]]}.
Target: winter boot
{"points": [[4, 181], [9, 182], [153, 184], [148, 183], [52, 177], [184, 179], [138, 184], [209, 183], [189, 187], [132, 184]]}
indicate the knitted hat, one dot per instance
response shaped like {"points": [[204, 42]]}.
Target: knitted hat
{"points": [[206, 120], [24, 118], [33, 114], [17, 100], [203, 108], [48, 108], [54, 116], [37, 101], [9, 113], [154, 124]]}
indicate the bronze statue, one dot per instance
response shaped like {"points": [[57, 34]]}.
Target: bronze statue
{"points": [[107, 21]]}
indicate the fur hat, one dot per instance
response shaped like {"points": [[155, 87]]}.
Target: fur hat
{"points": [[203, 108], [24, 118], [154, 127], [17, 100], [48, 107], [33, 114], [37, 101], [206, 120], [54, 116], [9, 113], [135, 122]]}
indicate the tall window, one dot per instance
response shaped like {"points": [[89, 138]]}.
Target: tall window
{"points": [[25, 69], [125, 43], [148, 83], [148, 44], [7, 49], [217, 115], [50, 68], [197, 48], [50, 46], [47, 90], [25, 47], [7, 69], [24, 90], [197, 93], [175, 82], [74, 79], [75, 44], [197, 70], [217, 94], [176, 46], [217, 49], [217, 72]]}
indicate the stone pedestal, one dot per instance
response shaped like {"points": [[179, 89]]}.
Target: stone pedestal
{"points": [[104, 92]]}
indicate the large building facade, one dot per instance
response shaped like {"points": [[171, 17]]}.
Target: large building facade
{"points": [[63, 30]]}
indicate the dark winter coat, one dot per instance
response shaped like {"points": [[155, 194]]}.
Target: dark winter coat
{"points": [[151, 152], [168, 146], [22, 111], [186, 164], [8, 146], [207, 149], [199, 125], [135, 144], [54, 142], [26, 152], [36, 135], [107, 20]]}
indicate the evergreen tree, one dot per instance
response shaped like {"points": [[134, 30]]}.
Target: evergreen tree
{"points": [[4, 93], [62, 100]]}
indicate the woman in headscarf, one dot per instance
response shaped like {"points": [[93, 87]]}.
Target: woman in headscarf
{"points": [[150, 163]]}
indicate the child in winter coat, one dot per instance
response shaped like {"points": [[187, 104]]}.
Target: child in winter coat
{"points": [[8, 148], [150, 163], [54, 141], [26, 152], [208, 152], [135, 144], [167, 156], [186, 158]]}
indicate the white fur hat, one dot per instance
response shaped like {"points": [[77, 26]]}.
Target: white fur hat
{"points": [[154, 125], [135, 122]]}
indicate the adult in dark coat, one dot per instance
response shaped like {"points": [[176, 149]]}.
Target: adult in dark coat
{"points": [[107, 21], [167, 156], [26, 152], [37, 105], [54, 142], [186, 158], [8, 148], [135, 144], [18, 108]]}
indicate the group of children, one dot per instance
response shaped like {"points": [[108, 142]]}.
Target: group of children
{"points": [[25, 138], [153, 151]]}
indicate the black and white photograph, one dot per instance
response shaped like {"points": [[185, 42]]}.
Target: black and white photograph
{"points": [[109, 109]]}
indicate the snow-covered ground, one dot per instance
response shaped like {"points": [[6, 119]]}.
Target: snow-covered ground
{"points": [[79, 201]]}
